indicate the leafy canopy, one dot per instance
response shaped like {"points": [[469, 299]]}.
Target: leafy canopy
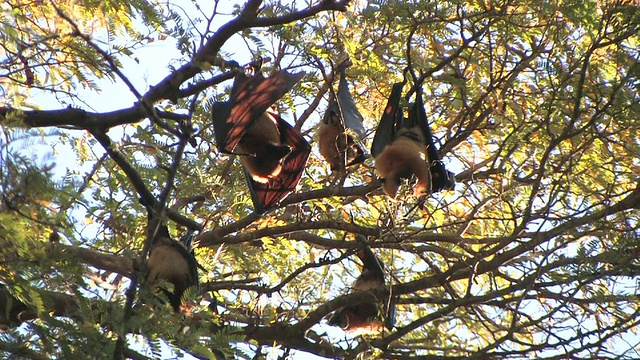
{"points": [[534, 105]]}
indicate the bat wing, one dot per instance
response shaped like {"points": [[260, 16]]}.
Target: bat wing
{"points": [[385, 133], [187, 242], [390, 317], [352, 118], [344, 107], [268, 195], [251, 96], [441, 178], [220, 112], [370, 261]]}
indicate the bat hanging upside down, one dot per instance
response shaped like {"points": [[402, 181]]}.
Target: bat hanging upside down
{"points": [[170, 261], [272, 152], [404, 147], [369, 317], [342, 129], [404, 157]]}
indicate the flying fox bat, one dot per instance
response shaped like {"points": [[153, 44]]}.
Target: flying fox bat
{"points": [[369, 317], [170, 260], [266, 195], [272, 152], [341, 121], [403, 147]]}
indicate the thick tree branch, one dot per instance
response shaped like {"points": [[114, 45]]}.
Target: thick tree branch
{"points": [[210, 239], [77, 119], [113, 263], [168, 88]]}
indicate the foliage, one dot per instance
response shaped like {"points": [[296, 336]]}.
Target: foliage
{"points": [[534, 104]]}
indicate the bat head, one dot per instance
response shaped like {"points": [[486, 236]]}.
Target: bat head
{"points": [[268, 194]]}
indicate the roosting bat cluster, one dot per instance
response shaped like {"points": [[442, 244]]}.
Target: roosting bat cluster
{"points": [[274, 155]]}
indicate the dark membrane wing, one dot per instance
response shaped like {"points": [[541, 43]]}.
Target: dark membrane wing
{"points": [[251, 96], [349, 141], [390, 318], [187, 243], [352, 118], [385, 133], [441, 178], [418, 117], [266, 196], [371, 262], [220, 112]]}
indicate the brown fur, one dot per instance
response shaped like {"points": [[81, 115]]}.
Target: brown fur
{"points": [[327, 142], [366, 282], [332, 142], [165, 262], [262, 150], [359, 320], [401, 159]]}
